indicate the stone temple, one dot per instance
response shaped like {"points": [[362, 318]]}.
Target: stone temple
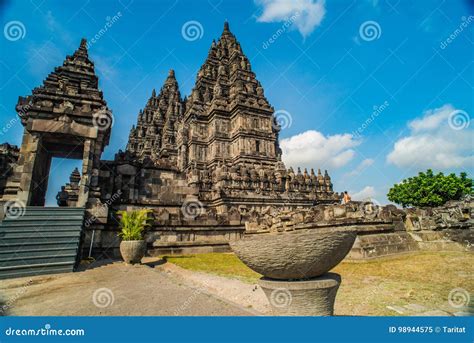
{"points": [[205, 163], [209, 166]]}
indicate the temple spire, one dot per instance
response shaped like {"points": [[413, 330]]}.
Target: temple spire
{"points": [[81, 52]]}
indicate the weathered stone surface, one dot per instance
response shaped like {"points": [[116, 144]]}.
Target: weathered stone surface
{"points": [[382, 244], [314, 297], [8, 158], [294, 255], [132, 251]]}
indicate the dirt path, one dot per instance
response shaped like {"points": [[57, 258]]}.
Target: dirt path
{"points": [[248, 295], [113, 289]]}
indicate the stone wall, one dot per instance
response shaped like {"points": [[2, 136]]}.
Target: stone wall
{"points": [[383, 230]]}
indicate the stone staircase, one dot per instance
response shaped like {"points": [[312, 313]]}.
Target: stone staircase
{"points": [[44, 240]]}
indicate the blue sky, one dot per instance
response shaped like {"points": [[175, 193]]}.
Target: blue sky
{"points": [[373, 90]]}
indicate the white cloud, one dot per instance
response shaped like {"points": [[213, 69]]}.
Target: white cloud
{"points": [[306, 14], [433, 143], [432, 119], [362, 165], [311, 149], [367, 193]]}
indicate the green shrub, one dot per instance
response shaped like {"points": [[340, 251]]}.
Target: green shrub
{"points": [[133, 224], [428, 189]]}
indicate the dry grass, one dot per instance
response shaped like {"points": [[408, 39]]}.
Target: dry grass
{"points": [[424, 278]]}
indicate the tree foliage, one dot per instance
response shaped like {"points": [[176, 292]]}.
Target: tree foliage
{"points": [[429, 189]]}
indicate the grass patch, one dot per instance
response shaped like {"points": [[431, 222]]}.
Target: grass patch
{"points": [[367, 288], [223, 264]]}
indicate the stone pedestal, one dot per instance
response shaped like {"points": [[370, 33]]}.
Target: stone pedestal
{"points": [[313, 297]]}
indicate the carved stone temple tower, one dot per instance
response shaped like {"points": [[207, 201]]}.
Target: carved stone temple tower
{"points": [[65, 117], [155, 134], [220, 144]]}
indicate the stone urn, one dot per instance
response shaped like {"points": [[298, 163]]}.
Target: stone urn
{"points": [[300, 254], [132, 251], [295, 266]]}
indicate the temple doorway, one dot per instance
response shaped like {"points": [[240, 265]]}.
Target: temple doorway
{"points": [[61, 173]]}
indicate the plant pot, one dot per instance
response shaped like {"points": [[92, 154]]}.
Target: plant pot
{"points": [[296, 255], [132, 251]]}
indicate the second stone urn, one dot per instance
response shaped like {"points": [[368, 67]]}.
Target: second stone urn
{"points": [[295, 266]]}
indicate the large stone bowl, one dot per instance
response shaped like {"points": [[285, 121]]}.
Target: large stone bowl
{"points": [[294, 255]]}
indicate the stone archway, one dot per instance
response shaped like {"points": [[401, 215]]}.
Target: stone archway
{"points": [[65, 117]]}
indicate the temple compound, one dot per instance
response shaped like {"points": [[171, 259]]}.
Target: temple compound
{"points": [[208, 165], [205, 164]]}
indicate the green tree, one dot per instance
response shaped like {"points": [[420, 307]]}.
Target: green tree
{"points": [[429, 189]]}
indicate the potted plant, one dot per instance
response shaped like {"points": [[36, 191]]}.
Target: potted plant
{"points": [[133, 225]]}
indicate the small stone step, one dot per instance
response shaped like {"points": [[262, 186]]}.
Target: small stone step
{"points": [[21, 251], [52, 217], [35, 266], [19, 242], [36, 270], [34, 260], [40, 223], [43, 229], [38, 234]]}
